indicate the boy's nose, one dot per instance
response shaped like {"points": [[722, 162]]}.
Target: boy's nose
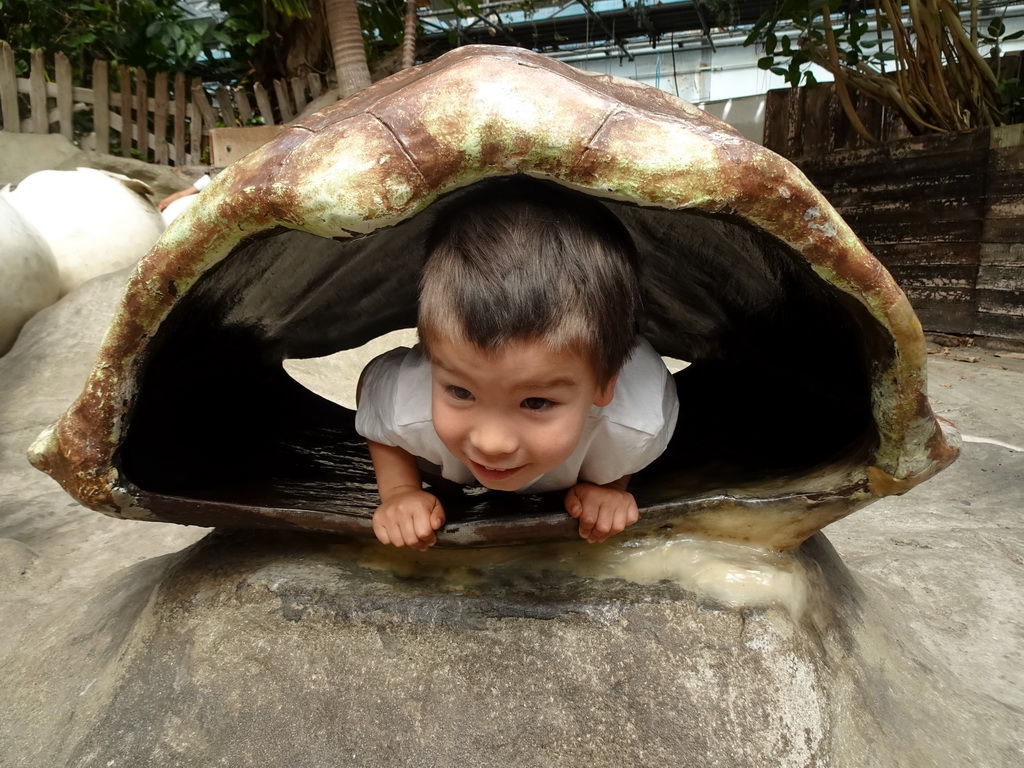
{"points": [[492, 439]]}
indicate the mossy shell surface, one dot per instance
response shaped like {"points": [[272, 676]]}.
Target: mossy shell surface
{"points": [[805, 400]]}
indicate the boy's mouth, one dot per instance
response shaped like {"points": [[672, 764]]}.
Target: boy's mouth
{"points": [[493, 474]]}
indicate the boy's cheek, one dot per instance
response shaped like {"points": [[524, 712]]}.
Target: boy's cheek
{"points": [[447, 425]]}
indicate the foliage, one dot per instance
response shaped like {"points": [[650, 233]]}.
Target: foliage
{"points": [[153, 34], [919, 60], [257, 40]]}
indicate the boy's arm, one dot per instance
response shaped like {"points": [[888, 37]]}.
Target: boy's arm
{"points": [[603, 510], [407, 515]]}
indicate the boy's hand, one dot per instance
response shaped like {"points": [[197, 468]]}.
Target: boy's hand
{"points": [[603, 510], [408, 518]]}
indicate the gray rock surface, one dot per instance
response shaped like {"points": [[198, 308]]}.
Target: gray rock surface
{"points": [[143, 644], [22, 154]]}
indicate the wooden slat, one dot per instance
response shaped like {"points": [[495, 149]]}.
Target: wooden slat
{"points": [[142, 113], [9, 89], [941, 231], [315, 85], [1003, 254], [263, 104], [224, 105], [77, 93], [180, 111], [199, 99], [818, 136], [1004, 231], [283, 102], [890, 175], [101, 105], [809, 122], [1011, 136], [38, 119], [161, 106], [195, 136], [914, 150], [125, 84], [1001, 278], [928, 276], [946, 317], [65, 103], [298, 93], [1003, 326], [1002, 302], [242, 105], [911, 220], [938, 255]]}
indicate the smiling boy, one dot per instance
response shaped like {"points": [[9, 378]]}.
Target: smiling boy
{"points": [[530, 375]]}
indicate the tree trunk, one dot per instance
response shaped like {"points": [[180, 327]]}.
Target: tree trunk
{"points": [[347, 46], [409, 37]]}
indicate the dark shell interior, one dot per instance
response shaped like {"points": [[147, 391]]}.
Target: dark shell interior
{"points": [[779, 385]]}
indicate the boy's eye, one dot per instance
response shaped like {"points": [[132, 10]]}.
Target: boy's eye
{"points": [[537, 403], [459, 393]]}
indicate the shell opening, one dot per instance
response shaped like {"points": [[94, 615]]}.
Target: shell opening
{"points": [[779, 385]]}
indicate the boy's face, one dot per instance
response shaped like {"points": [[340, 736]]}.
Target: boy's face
{"points": [[513, 414]]}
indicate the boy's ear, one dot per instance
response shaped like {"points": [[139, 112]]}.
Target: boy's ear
{"points": [[607, 393]]}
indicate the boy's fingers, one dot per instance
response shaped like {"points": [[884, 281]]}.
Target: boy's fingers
{"points": [[380, 531], [572, 503], [602, 527], [407, 530], [587, 520], [423, 527], [437, 517]]}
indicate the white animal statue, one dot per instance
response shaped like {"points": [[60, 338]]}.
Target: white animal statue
{"points": [[29, 280], [95, 222]]}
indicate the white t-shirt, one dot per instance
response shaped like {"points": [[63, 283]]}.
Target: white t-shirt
{"points": [[618, 439]]}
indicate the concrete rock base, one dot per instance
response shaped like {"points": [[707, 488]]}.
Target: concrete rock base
{"points": [[290, 650], [136, 644]]}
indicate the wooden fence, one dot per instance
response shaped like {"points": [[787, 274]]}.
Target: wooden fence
{"points": [[164, 118], [943, 213]]}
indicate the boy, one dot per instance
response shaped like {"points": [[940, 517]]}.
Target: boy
{"points": [[530, 374]]}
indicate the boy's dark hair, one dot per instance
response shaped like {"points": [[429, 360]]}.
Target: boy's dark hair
{"points": [[522, 259]]}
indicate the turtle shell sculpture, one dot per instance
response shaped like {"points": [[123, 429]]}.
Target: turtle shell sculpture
{"points": [[806, 394]]}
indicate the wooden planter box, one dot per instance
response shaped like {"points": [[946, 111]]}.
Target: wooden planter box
{"points": [[943, 213]]}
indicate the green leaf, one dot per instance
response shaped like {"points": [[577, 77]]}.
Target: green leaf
{"points": [[781, 71], [996, 27], [765, 62]]}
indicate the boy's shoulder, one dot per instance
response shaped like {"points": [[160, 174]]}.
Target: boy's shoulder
{"points": [[645, 394], [399, 381]]}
